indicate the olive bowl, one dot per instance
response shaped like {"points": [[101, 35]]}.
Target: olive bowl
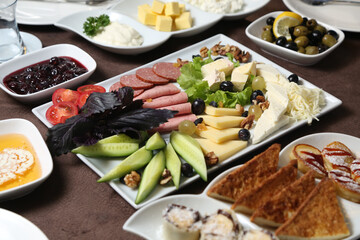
{"points": [[29, 59], [254, 30]]}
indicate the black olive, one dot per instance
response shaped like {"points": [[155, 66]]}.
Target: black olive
{"points": [[281, 41], [187, 170], [198, 106], [305, 19], [315, 38], [322, 48], [294, 78], [226, 86], [291, 46], [197, 55], [197, 121], [213, 103], [244, 134], [218, 58], [245, 114], [255, 94], [270, 21], [334, 34]]}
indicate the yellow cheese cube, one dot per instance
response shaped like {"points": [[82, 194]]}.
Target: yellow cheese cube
{"points": [[145, 15], [222, 111], [182, 8], [218, 136], [184, 21], [172, 9], [158, 7], [163, 23], [221, 150], [222, 122]]}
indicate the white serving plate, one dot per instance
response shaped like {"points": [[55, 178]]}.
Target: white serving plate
{"points": [[101, 166], [16, 227], [41, 55], [147, 222], [28, 129], [254, 30], [342, 16]]}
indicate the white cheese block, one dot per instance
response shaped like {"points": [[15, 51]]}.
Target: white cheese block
{"points": [[266, 125], [221, 65], [264, 67], [277, 96], [239, 80], [248, 69], [214, 79]]}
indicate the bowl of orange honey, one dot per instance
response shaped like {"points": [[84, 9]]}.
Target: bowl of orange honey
{"points": [[25, 160]]}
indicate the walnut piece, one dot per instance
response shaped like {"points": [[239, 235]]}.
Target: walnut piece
{"points": [[211, 159], [248, 122], [179, 63], [166, 177], [240, 108], [264, 105], [132, 179], [204, 52]]}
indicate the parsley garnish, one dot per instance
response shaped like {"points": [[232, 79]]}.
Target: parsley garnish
{"points": [[93, 25]]}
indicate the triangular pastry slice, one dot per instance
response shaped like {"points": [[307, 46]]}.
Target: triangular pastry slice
{"points": [[284, 204], [319, 217], [252, 199], [248, 176]]}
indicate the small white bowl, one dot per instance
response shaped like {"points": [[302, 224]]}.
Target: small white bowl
{"points": [[43, 54], [254, 30], [27, 129]]}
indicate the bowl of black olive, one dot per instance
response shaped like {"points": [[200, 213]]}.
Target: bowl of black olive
{"points": [[298, 39], [33, 77]]}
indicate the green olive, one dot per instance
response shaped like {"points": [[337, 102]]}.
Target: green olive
{"points": [[320, 28], [311, 24], [268, 28], [302, 41], [300, 31], [267, 36], [311, 50], [301, 50], [328, 40]]}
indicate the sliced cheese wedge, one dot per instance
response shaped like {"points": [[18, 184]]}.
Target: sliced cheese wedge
{"points": [[210, 110], [222, 122], [218, 136]]}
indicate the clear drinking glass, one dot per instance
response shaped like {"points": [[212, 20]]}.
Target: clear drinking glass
{"points": [[11, 43]]}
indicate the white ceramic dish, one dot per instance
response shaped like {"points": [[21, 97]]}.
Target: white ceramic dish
{"points": [[31, 42], [147, 222], [16, 227], [101, 166], [250, 6], [27, 129], [152, 38], [45, 54], [253, 31], [342, 16]]}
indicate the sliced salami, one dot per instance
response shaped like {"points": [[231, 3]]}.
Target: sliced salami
{"points": [[158, 91], [167, 70], [147, 75], [118, 85], [182, 108], [164, 101], [134, 82]]}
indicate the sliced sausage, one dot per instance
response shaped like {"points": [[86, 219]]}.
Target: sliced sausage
{"points": [[134, 82], [164, 101], [147, 75], [173, 123], [158, 91], [182, 108], [118, 85], [167, 70]]}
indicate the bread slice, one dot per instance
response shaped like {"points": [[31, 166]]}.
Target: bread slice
{"points": [[319, 217], [248, 176], [250, 200], [309, 158], [284, 204]]}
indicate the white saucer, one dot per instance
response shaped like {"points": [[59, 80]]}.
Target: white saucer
{"points": [[31, 42]]}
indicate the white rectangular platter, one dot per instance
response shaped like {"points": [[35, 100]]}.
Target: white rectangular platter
{"points": [[102, 166]]}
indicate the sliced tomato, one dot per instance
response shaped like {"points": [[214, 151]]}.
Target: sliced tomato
{"points": [[61, 111], [65, 95], [82, 99], [91, 88]]}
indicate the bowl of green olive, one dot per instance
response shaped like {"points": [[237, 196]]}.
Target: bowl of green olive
{"points": [[295, 38]]}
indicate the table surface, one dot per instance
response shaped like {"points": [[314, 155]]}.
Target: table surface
{"points": [[72, 205]]}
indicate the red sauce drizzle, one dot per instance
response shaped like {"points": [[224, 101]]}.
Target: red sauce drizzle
{"points": [[337, 152], [315, 160]]}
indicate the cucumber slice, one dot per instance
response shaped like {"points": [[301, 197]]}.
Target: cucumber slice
{"points": [[173, 164], [135, 161], [151, 176], [119, 138], [107, 149], [189, 149], [155, 142]]}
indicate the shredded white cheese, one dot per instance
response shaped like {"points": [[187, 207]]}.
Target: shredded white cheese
{"points": [[217, 6]]}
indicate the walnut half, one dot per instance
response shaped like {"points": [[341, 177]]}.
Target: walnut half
{"points": [[248, 122], [211, 159], [166, 177], [132, 179]]}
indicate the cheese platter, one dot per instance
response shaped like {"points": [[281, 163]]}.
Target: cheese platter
{"points": [[102, 165]]}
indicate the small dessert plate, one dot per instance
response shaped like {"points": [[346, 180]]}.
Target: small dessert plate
{"points": [[43, 54], [31, 42], [27, 129], [253, 31]]}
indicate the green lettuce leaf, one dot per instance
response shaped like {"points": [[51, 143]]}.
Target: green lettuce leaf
{"points": [[230, 99]]}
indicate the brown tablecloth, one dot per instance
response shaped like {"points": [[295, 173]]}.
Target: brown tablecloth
{"points": [[72, 205]]}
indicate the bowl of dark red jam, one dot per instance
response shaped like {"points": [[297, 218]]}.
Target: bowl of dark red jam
{"points": [[35, 76]]}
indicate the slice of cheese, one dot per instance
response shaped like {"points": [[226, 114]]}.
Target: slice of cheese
{"points": [[214, 79], [221, 150], [182, 7], [218, 136], [158, 7], [172, 9], [145, 15], [184, 21], [222, 122], [239, 80], [266, 125], [221, 65], [210, 110], [248, 68], [278, 98], [163, 23]]}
